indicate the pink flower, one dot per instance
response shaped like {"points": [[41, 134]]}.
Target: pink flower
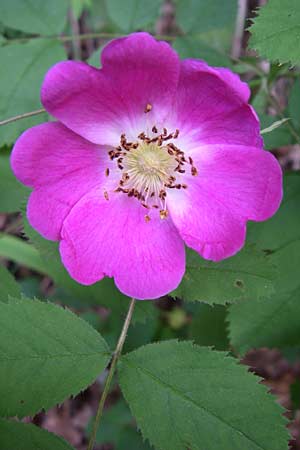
{"points": [[148, 153]]}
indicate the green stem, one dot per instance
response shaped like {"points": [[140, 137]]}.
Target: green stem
{"points": [[22, 116], [111, 372], [76, 44], [80, 37]]}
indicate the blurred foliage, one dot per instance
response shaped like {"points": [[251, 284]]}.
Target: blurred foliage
{"points": [[133, 14], [181, 395], [190, 386], [118, 429]]}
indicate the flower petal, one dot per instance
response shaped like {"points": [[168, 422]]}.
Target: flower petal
{"points": [[211, 107], [143, 71], [101, 104], [112, 238], [62, 167], [234, 184], [84, 100]]}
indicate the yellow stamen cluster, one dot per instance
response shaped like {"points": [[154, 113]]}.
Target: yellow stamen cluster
{"points": [[150, 167]]}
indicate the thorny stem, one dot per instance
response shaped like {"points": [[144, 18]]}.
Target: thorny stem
{"points": [[22, 116], [116, 355]]}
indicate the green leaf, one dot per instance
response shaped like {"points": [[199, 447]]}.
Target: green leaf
{"points": [[276, 124], [200, 399], [294, 104], [94, 59], [277, 138], [25, 436], [35, 16], [271, 322], [133, 14], [19, 251], [117, 429], [23, 67], [13, 192], [276, 31], [191, 46], [202, 16], [274, 322], [209, 326], [47, 354], [8, 285], [246, 275], [269, 235]]}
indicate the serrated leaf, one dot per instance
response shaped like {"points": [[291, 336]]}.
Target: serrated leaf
{"points": [[276, 31], [8, 285], [271, 322], [12, 192], [47, 354], [246, 275], [274, 321], [191, 46], [25, 436], [35, 16], [133, 15], [200, 399], [23, 67]]}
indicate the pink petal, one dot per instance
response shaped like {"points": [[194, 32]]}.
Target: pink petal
{"points": [[211, 107], [234, 184], [101, 104], [234, 82], [143, 71], [83, 99], [112, 238], [62, 167]]}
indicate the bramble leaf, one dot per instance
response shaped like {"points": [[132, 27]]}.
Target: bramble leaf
{"points": [[274, 321], [276, 31], [246, 275], [200, 399], [47, 354]]}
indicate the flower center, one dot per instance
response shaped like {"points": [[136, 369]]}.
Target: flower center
{"points": [[150, 167]]}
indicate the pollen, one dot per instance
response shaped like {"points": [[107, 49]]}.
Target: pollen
{"points": [[150, 167], [148, 108]]}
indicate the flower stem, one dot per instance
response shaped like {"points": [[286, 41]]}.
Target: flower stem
{"points": [[66, 38], [22, 116], [116, 355]]}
